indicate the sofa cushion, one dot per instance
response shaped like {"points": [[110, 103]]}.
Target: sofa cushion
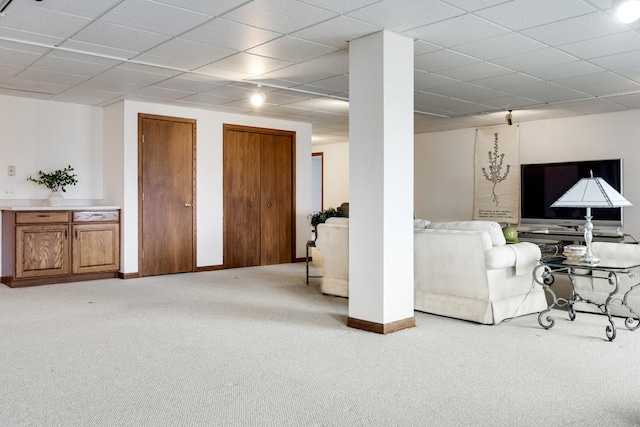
{"points": [[491, 227]]}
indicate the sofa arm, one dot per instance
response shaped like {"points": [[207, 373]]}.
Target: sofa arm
{"points": [[523, 256]]}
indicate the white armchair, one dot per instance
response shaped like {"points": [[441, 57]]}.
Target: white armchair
{"points": [[467, 271]]}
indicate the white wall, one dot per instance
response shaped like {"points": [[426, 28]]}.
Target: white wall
{"points": [[50, 135], [336, 173], [444, 160], [42, 135]]}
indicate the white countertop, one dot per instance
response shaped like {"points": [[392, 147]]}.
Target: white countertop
{"points": [[58, 208]]}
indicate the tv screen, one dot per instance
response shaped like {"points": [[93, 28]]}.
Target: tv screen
{"points": [[543, 184]]}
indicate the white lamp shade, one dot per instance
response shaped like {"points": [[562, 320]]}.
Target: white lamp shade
{"points": [[591, 193]]}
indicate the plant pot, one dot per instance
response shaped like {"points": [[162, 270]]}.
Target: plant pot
{"points": [[55, 198]]}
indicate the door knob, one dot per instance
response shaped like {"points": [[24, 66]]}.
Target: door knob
{"points": [[187, 205]]}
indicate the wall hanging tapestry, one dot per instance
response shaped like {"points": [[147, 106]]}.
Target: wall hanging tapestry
{"points": [[497, 174]]}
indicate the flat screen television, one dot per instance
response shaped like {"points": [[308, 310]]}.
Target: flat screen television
{"points": [[544, 183]]}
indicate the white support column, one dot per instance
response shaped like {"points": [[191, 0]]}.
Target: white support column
{"points": [[381, 183]]}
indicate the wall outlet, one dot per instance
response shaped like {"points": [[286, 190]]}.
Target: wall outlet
{"points": [[11, 170], [8, 193]]}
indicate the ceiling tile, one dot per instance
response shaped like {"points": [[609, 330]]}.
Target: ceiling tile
{"points": [[499, 46], [340, 6], [546, 92], [116, 36], [35, 86], [230, 35], [337, 32], [17, 58], [560, 71], [576, 29], [96, 50], [474, 5], [618, 61], [447, 33], [506, 81], [630, 101], [155, 17], [299, 74], [336, 84], [187, 83], [25, 16], [525, 61], [51, 77], [475, 71], [185, 54], [442, 60], [281, 16], [29, 37], [521, 14], [84, 8], [254, 65], [69, 66], [291, 49], [337, 62], [423, 80], [83, 95], [470, 92], [600, 84], [7, 72], [212, 8], [402, 15], [603, 46]]}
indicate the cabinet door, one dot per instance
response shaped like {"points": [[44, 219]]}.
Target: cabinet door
{"points": [[42, 250], [96, 248]]}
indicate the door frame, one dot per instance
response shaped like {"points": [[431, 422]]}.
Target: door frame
{"points": [[321, 155], [194, 248], [290, 133]]}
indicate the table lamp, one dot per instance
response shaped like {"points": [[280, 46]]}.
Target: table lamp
{"points": [[591, 193]]}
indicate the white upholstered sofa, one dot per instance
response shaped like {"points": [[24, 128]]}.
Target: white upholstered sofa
{"points": [[597, 290], [467, 270], [462, 269], [333, 243]]}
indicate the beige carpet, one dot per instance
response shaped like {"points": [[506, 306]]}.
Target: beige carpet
{"points": [[256, 347]]}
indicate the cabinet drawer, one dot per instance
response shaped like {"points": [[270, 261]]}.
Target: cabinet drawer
{"points": [[39, 217], [92, 216]]}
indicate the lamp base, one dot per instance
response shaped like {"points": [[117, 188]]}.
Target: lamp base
{"points": [[588, 258]]}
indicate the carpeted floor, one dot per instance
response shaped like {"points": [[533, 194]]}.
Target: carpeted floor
{"points": [[257, 347]]}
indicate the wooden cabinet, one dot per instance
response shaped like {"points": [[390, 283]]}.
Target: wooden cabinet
{"points": [[43, 247]]}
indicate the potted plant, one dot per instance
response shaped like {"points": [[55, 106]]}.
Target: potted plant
{"points": [[56, 181], [319, 217]]}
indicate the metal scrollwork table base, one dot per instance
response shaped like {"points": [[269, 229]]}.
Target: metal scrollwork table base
{"points": [[614, 269]]}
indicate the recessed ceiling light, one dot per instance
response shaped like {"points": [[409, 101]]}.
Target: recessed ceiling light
{"points": [[258, 97], [626, 11]]}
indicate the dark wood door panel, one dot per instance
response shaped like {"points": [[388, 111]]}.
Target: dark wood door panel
{"points": [[167, 196]]}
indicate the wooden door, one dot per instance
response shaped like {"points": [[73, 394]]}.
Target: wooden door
{"points": [[258, 188], [241, 199], [167, 195], [276, 184]]}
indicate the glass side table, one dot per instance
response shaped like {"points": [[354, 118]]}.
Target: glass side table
{"points": [[614, 270]]}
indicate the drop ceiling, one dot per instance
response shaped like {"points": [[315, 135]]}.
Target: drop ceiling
{"points": [[474, 59]]}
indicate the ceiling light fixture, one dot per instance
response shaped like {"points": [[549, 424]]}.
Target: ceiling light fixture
{"points": [[626, 11], [258, 97], [509, 118]]}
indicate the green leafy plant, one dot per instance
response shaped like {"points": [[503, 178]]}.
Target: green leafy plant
{"points": [[56, 180], [319, 217]]}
